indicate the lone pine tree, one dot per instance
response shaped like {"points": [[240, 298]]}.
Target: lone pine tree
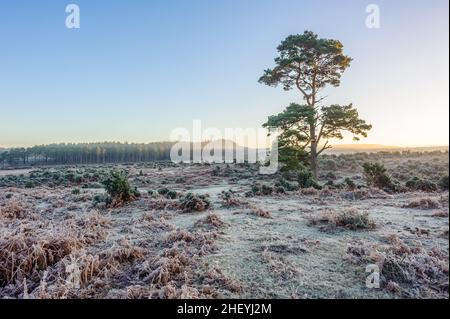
{"points": [[309, 64]]}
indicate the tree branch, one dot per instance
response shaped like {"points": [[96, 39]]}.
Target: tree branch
{"points": [[325, 147]]}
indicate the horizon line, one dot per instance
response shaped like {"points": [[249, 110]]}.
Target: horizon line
{"points": [[356, 145]]}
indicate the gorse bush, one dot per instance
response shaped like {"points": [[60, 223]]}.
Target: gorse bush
{"points": [[423, 185], [267, 190], [330, 176], [119, 189], [287, 186], [193, 202], [443, 182], [350, 183], [259, 190], [376, 175], [306, 179], [167, 193]]}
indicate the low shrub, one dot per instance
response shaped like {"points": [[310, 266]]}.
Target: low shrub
{"points": [[305, 179], [260, 190], [352, 219], [376, 175], [229, 199], [423, 203], [443, 182], [167, 193], [258, 211], [119, 189], [350, 183], [193, 202], [287, 186], [423, 185], [330, 176]]}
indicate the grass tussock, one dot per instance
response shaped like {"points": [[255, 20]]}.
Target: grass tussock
{"points": [[230, 200], [13, 210], [215, 277], [279, 266], [412, 271], [168, 268], [352, 219], [260, 212], [24, 253], [213, 220], [32, 249], [423, 203]]}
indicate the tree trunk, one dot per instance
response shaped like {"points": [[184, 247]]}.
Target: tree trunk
{"points": [[314, 143], [314, 159]]}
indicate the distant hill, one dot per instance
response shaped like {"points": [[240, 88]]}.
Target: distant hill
{"points": [[373, 148]]}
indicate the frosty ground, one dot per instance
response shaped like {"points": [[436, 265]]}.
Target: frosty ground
{"points": [[245, 236]]}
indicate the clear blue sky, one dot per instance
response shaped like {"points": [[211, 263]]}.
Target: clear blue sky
{"points": [[137, 69]]}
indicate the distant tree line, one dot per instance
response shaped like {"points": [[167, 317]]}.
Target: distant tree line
{"points": [[85, 153]]}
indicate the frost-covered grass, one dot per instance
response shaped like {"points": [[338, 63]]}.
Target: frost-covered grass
{"points": [[58, 238]]}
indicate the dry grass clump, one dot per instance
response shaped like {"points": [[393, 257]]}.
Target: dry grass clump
{"points": [[212, 220], [155, 224], [82, 267], [86, 275], [310, 191], [167, 268], [352, 219], [172, 274], [279, 266], [414, 271], [180, 235], [36, 252], [170, 291], [93, 227], [13, 210], [423, 203], [189, 293], [162, 203], [442, 214], [195, 243], [365, 193], [260, 212], [25, 252], [229, 199], [124, 252], [215, 277], [326, 192], [325, 221]]}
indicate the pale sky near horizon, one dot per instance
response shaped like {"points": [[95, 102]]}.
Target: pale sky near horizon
{"points": [[136, 70]]}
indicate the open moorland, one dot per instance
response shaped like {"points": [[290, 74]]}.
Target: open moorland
{"points": [[225, 231]]}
